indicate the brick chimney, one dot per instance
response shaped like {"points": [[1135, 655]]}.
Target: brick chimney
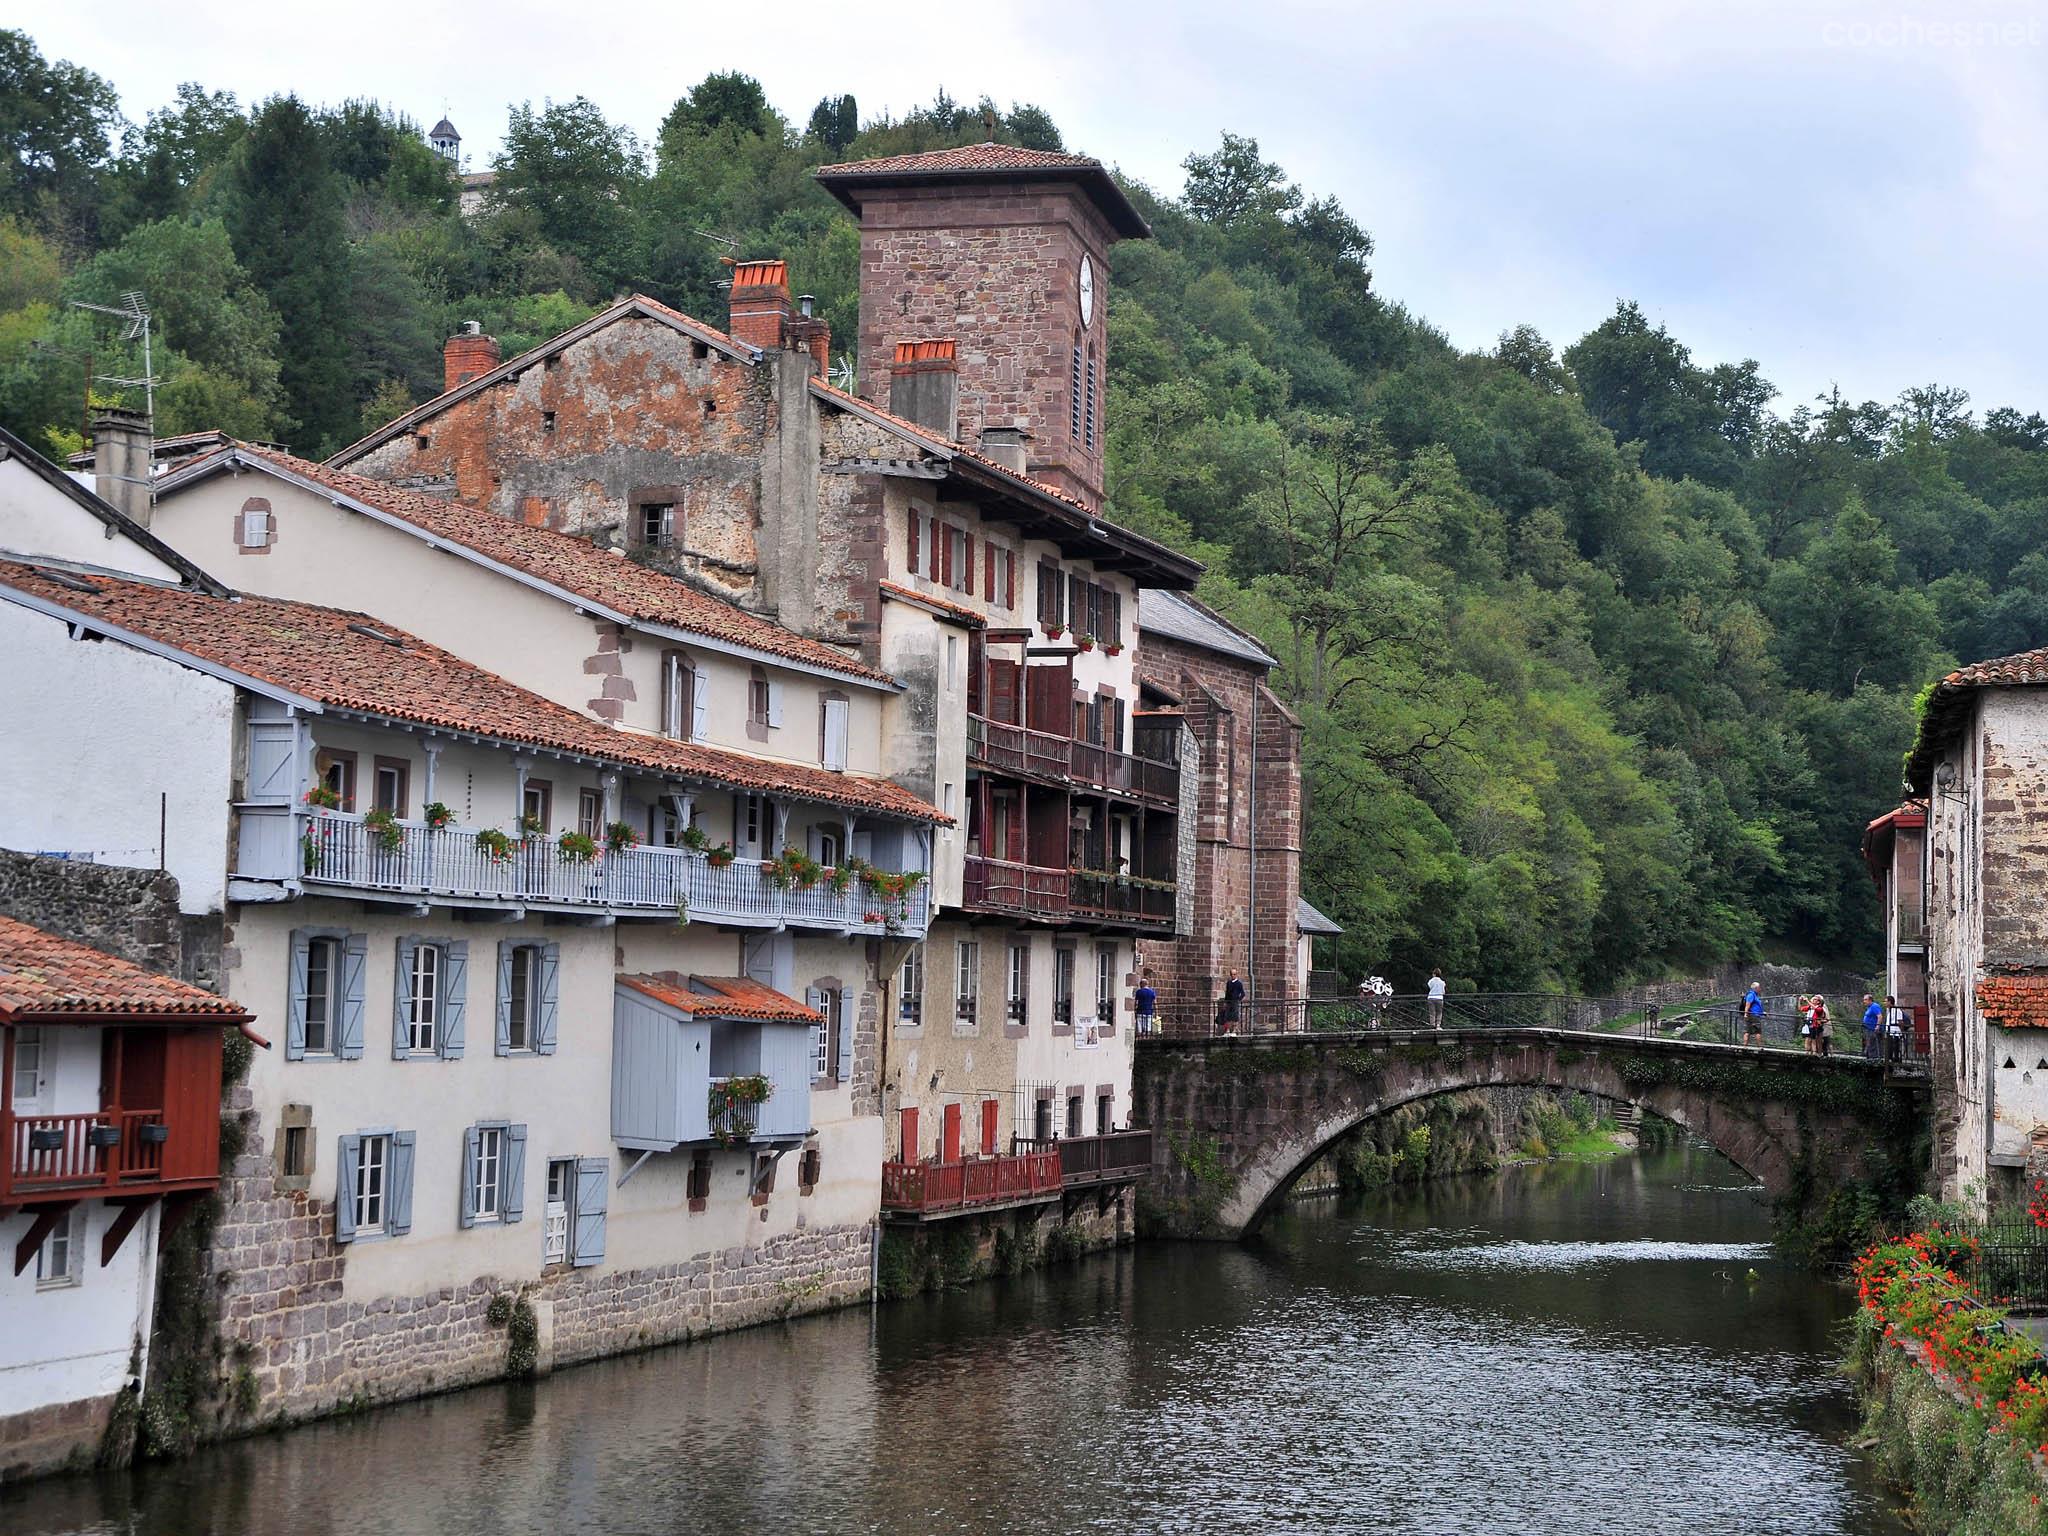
{"points": [[924, 384], [1008, 446], [469, 354], [760, 303], [810, 334], [120, 461]]}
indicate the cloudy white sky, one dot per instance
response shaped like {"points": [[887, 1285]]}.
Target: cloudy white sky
{"points": [[1850, 193]]}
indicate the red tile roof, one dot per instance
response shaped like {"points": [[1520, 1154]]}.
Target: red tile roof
{"points": [[45, 977], [987, 162], [2017, 1000], [562, 559], [959, 611], [355, 662], [1949, 705], [725, 997]]}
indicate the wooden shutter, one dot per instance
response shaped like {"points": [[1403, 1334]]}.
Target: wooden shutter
{"points": [[355, 955], [932, 553], [1077, 603], [967, 559], [398, 1185], [472, 1142], [1048, 593], [270, 779], [295, 1004], [835, 733], [774, 702], [844, 1065], [1009, 578], [944, 536], [401, 1033], [909, 1151], [345, 1189], [512, 1173], [951, 1154], [989, 1111], [699, 704], [915, 519], [503, 1046], [593, 1185], [988, 569], [454, 998], [550, 977]]}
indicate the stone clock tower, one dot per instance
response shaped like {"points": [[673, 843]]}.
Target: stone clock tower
{"points": [[1006, 251]]}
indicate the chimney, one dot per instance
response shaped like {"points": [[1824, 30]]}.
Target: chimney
{"points": [[469, 354], [1006, 445], [120, 461], [924, 385], [760, 303], [812, 335]]}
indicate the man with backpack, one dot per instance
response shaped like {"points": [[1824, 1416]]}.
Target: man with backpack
{"points": [[1753, 1016]]}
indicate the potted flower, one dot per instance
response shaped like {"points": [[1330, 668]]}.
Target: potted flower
{"points": [[732, 1106], [382, 830], [620, 836], [1084, 642], [313, 842], [793, 867], [155, 1133], [720, 856], [1113, 648], [532, 827], [1054, 631], [321, 798], [495, 846], [576, 848], [46, 1138], [871, 917], [437, 815], [694, 839]]}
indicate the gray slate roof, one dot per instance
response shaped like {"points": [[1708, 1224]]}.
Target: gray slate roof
{"points": [[1308, 920], [1176, 616]]}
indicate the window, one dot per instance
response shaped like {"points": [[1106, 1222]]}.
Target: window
{"points": [[764, 701], [1073, 1114], [590, 813], [831, 851], [967, 974], [910, 988], [952, 660], [57, 1260], [664, 824], [337, 771], [1063, 987], [749, 815], [547, 418], [423, 1005], [1105, 1112], [763, 1184], [658, 524], [373, 1155], [958, 566], [319, 1004], [699, 1187], [1105, 983], [554, 1229], [255, 528], [1017, 990], [537, 803], [493, 1173], [1004, 581], [30, 1066], [528, 976], [373, 1187], [1074, 390], [388, 791], [831, 1005], [832, 724], [295, 1153], [946, 798], [519, 1007], [678, 696], [1092, 421], [810, 1170], [490, 1145], [1051, 592]]}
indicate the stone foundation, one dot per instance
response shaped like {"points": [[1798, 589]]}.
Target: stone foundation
{"points": [[53, 1437], [945, 1254]]}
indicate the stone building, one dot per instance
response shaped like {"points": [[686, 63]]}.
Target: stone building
{"points": [[1981, 762], [1196, 666], [1895, 850]]}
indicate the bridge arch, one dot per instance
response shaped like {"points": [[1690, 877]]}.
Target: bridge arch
{"points": [[1240, 1118]]}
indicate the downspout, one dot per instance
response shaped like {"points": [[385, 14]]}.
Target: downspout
{"points": [[1251, 912]]}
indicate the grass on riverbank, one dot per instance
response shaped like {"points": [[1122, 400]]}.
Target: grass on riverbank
{"points": [[1573, 1131]]}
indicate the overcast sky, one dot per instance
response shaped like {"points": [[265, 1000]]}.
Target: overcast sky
{"points": [[1850, 193]]}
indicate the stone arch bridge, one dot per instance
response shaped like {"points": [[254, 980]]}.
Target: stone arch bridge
{"points": [[1239, 1118]]}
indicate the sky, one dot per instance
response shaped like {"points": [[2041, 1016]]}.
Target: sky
{"points": [[1850, 193]]}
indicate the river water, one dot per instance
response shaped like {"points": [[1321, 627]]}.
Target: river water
{"points": [[1554, 1350]]}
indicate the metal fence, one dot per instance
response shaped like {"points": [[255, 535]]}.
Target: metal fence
{"points": [[2006, 1261]]}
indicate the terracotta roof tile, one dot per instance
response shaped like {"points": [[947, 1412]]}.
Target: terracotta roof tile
{"points": [[1950, 702], [355, 662], [574, 564], [43, 975], [959, 611], [2015, 1000], [726, 997]]}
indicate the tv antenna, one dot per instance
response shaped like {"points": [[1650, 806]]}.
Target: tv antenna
{"points": [[135, 310]]}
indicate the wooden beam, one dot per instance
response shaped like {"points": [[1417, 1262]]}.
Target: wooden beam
{"points": [[132, 1211], [44, 1224]]}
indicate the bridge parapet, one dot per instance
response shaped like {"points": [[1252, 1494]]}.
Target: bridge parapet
{"points": [[1240, 1117]]}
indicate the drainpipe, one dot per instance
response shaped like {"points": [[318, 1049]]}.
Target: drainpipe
{"points": [[1251, 912]]}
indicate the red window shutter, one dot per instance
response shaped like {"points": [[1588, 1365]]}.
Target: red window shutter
{"points": [[943, 537], [915, 519], [952, 1124], [988, 569], [909, 1136], [1009, 578], [967, 552], [989, 1111]]}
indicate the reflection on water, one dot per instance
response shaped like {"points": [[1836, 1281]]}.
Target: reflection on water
{"points": [[1557, 1350]]}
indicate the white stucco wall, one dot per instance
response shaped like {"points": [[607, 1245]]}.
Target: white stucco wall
{"points": [[93, 733], [71, 1343], [38, 520]]}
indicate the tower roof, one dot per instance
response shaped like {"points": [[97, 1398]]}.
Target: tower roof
{"points": [[443, 130], [986, 162]]}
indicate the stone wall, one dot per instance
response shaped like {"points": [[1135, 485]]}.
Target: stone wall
{"points": [[964, 1249], [132, 913]]}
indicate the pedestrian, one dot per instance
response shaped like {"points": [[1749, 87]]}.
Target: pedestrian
{"points": [[1233, 1001], [1146, 1000], [1804, 1009], [1436, 999], [1823, 1026], [1753, 1016], [1873, 1029], [1894, 1029]]}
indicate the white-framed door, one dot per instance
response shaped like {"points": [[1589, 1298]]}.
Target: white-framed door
{"points": [[30, 1087], [554, 1227]]}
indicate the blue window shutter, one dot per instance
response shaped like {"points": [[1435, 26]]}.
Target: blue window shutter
{"points": [[401, 1005], [295, 1004], [355, 955], [700, 706], [593, 1183], [512, 1174], [398, 1215], [845, 1036], [504, 1044], [454, 997], [345, 1189], [550, 974], [466, 1216]]}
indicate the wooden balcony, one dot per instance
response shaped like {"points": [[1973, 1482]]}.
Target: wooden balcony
{"points": [[334, 850], [1025, 753], [934, 1191], [1058, 895], [1116, 1157], [80, 1155]]}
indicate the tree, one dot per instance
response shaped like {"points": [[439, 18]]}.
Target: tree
{"points": [[834, 123], [573, 177], [1234, 184], [1841, 620], [55, 120], [165, 162], [727, 101], [283, 211], [1640, 383]]}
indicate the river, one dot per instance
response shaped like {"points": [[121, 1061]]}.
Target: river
{"points": [[1555, 1350]]}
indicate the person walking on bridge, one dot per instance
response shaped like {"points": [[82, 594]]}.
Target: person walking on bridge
{"points": [[1436, 999], [1753, 1016], [1873, 1029], [1823, 1026]]}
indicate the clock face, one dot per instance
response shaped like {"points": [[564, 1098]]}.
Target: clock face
{"points": [[1087, 291]]}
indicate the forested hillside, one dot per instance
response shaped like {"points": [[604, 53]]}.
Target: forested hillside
{"points": [[1605, 655]]}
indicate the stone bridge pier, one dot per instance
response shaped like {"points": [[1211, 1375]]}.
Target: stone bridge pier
{"points": [[1239, 1118]]}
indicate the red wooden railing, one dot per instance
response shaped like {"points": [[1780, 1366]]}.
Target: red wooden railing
{"points": [[1113, 1157], [79, 1152], [1030, 889], [926, 1188], [1020, 750]]}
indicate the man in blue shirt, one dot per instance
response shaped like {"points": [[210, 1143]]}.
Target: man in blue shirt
{"points": [[1873, 1028], [1147, 1000], [1752, 1016]]}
